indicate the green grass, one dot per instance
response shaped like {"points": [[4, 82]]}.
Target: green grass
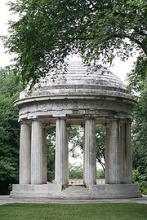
{"points": [[105, 211]]}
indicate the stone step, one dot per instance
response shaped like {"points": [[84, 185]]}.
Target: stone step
{"points": [[76, 190]]}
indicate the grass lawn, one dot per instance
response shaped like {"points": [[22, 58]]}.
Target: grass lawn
{"points": [[105, 211]]}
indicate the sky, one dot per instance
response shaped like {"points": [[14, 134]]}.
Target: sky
{"points": [[4, 17], [118, 67]]}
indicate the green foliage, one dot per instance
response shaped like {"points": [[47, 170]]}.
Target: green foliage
{"points": [[140, 133], [51, 153], [141, 179], [76, 140], [76, 137], [48, 31], [100, 174], [75, 172], [100, 145], [138, 83], [9, 129], [138, 76], [140, 142]]}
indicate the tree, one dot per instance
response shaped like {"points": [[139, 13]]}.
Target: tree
{"points": [[76, 140], [76, 137], [138, 76], [51, 153], [140, 140], [48, 31], [9, 130], [138, 84], [100, 145]]}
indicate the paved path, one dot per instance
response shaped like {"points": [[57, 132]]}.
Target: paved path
{"points": [[8, 200]]}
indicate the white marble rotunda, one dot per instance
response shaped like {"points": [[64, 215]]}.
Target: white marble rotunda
{"points": [[76, 97]]}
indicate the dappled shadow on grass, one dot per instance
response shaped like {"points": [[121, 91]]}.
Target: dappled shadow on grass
{"points": [[102, 211]]}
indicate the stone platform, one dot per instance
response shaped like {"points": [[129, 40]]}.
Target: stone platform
{"points": [[54, 191]]}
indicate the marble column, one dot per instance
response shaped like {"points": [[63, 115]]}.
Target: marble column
{"points": [[61, 153], [67, 157], [114, 154], [107, 178], [37, 143], [127, 153], [84, 155], [25, 154], [45, 155], [90, 153]]}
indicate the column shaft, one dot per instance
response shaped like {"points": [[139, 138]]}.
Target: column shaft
{"points": [[61, 153], [128, 154], [114, 165], [118, 153], [84, 161], [90, 153], [45, 156], [37, 153], [107, 177], [25, 154]]}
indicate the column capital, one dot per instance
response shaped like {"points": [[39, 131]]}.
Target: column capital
{"points": [[25, 121], [61, 118], [89, 117], [35, 119]]}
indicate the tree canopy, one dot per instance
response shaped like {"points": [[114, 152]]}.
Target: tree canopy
{"points": [[138, 83], [9, 129], [48, 31]]}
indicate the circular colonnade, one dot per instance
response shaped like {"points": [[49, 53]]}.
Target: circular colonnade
{"points": [[76, 97]]}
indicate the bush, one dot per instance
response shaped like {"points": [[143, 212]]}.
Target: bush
{"points": [[141, 179], [100, 174]]}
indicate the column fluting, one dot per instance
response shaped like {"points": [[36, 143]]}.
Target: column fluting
{"points": [[90, 153], [25, 154], [37, 153], [61, 153]]}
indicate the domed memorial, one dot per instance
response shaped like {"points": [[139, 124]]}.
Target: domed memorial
{"points": [[77, 97]]}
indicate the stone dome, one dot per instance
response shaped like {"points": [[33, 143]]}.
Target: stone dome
{"points": [[78, 81], [77, 93]]}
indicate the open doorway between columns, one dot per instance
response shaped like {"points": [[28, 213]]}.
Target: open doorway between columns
{"points": [[75, 149], [100, 153]]}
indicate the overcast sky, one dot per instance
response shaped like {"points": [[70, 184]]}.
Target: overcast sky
{"points": [[119, 68]]}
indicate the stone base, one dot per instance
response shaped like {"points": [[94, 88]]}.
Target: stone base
{"points": [[32, 191], [54, 191], [116, 191]]}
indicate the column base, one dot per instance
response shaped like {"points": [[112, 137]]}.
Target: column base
{"points": [[35, 191], [116, 191], [94, 192]]}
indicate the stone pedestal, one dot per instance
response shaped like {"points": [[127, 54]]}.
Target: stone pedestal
{"points": [[93, 192], [37, 143], [61, 153], [90, 153], [25, 154]]}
